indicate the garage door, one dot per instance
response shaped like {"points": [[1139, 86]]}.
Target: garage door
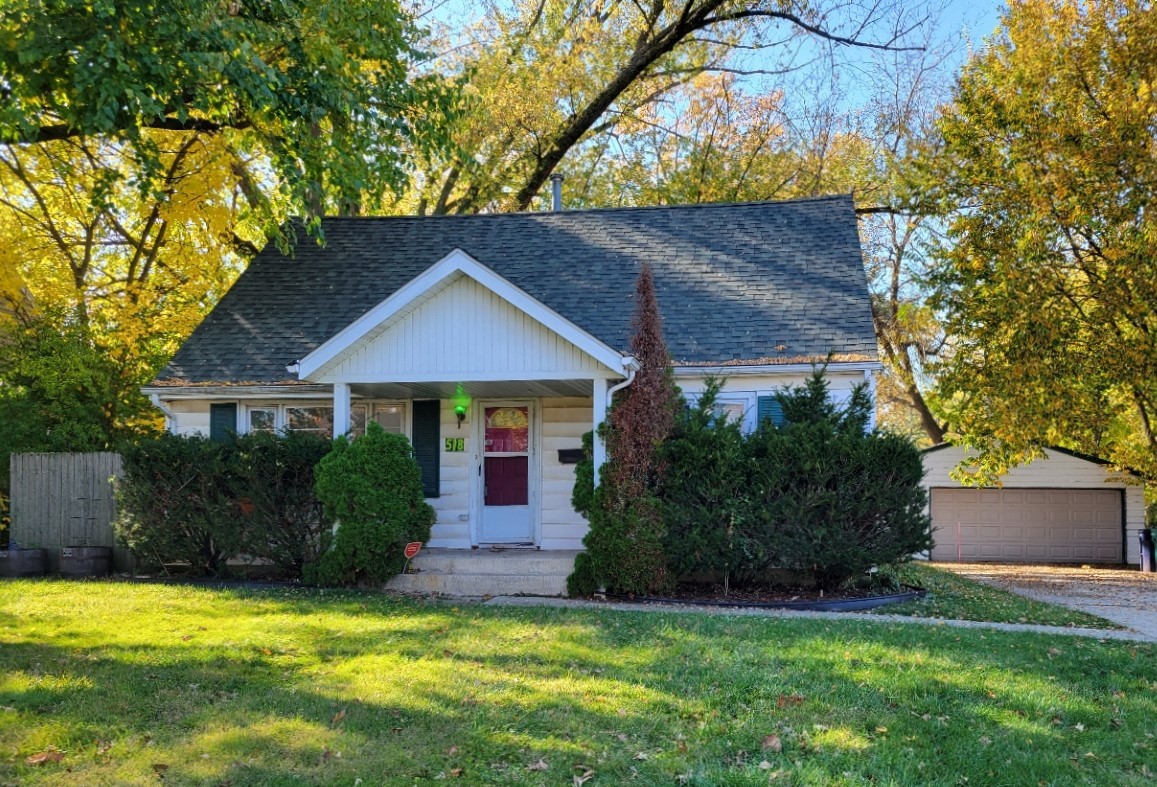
{"points": [[1027, 525]]}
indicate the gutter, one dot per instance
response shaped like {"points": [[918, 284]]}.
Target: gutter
{"points": [[170, 419], [631, 366]]}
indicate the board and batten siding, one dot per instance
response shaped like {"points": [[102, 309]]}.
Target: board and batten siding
{"points": [[1057, 471], [463, 332]]}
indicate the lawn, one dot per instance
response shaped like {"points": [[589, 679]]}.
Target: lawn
{"points": [[109, 683], [954, 597]]}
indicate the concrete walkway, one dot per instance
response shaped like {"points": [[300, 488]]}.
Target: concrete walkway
{"points": [[565, 603], [1123, 596]]}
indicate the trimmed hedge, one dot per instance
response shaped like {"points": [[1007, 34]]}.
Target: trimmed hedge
{"points": [[201, 502], [372, 487]]}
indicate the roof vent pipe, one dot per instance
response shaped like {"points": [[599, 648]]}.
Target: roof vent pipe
{"points": [[556, 191]]}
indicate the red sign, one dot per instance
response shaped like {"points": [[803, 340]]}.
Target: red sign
{"points": [[412, 549]]}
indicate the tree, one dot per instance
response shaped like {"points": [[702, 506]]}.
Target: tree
{"points": [[321, 90], [624, 546], [556, 80], [1047, 174]]}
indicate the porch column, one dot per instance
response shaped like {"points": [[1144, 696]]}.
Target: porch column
{"points": [[600, 415], [341, 409]]}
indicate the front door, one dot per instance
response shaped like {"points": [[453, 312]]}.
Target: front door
{"points": [[506, 473]]}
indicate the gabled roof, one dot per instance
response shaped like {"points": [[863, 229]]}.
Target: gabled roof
{"points": [[744, 282]]}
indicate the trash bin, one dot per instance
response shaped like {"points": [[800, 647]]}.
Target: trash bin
{"points": [[1147, 564], [22, 562]]}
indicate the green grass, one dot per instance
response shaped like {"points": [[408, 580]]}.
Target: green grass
{"points": [[281, 687], [954, 597]]}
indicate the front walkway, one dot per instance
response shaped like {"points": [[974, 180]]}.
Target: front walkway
{"points": [[529, 601], [1127, 597]]}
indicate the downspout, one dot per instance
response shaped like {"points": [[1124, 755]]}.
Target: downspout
{"points": [[611, 391], [170, 419]]}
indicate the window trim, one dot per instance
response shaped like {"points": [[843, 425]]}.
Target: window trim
{"points": [[281, 419]]}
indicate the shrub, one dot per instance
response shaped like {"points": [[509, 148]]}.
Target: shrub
{"points": [[272, 478], [176, 505], [827, 496], [372, 488], [702, 491], [624, 545]]}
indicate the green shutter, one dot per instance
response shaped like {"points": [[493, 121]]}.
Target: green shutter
{"points": [[427, 434], [770, 409], [222, 421]]}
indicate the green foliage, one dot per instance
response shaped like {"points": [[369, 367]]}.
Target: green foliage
{"points": [[624, 545], [828, 497], [582, 494], [176, 504], [273, 478], [322, 90], [372, 488], [703, 489], [202, 502], [1045, 174]]}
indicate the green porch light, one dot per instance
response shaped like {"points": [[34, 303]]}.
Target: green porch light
{"points": [[461, 405]]}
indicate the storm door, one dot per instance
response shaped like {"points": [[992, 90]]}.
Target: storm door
{"points": [[506, 475]]}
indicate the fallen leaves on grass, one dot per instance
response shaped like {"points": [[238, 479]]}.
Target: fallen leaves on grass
{"points": [[773, 742], [337, 718], [41, 758], [578, 780], [789, 700], [541, 765]]}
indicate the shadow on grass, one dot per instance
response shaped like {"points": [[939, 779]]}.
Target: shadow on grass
{"points": [[391, 691]]}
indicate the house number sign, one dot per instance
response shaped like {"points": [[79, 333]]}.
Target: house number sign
{"points": [[455, 445]]}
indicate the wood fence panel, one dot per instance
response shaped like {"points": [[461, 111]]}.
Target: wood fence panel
{"points": [[65, 500]]}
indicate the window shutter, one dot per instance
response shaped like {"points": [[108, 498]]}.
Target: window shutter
{"points": [[222, 421], [770, 409], [427, 432]]}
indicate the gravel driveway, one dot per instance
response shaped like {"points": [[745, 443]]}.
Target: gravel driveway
{"points": [[1122, 596]]}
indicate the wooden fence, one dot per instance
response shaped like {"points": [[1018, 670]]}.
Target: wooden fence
{"points": [[64, 500]]}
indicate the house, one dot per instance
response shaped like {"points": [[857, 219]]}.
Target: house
{"points": [[494, 342], [1062, 508]]}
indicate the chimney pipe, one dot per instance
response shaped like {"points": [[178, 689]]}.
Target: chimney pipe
{"points": [[556, 191]]}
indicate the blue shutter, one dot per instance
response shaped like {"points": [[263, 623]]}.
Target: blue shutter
{"points": [[770, 409], [222, 421], [427, 433]]}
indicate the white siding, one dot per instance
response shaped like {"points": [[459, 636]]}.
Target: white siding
{"points": [[747, 388], [563, 423], [464, 332], [454, 508], [1057, 471], [189, 416]]}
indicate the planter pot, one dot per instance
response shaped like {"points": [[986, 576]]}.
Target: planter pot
{"points": [[85, 561], [22, 563]]}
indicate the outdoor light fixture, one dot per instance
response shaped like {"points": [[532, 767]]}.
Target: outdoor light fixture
{"points": [[461, 404]]}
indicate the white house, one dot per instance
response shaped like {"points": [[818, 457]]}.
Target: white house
{"points": [[494, 342]]}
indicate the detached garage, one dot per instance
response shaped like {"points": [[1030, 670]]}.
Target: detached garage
{"points": [[1061, 509]]}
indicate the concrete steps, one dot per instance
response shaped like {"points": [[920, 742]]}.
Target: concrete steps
{"points": [[486, 572]]}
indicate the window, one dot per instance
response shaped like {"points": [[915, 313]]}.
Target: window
{"points": [[318, 420], [737, 406], [358, 414], [391, 417], [262, 419], [731, 411]]}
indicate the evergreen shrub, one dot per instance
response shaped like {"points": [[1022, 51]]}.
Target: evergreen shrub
{"points": [[272, 476], [372, 488], [176, 504], [827, 496]]}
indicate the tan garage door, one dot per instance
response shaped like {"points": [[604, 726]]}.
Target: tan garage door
{"points": [[1027, 525]]}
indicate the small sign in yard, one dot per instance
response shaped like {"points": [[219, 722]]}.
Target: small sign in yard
{"points": [[412, 549]]}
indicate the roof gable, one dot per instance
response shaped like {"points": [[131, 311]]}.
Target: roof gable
{"points": [[771, 281], [458, 315]]}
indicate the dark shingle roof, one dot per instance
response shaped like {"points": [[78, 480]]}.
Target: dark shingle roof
{"points": [[770, 280]]}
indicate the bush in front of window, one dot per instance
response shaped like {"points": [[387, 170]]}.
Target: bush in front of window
{"points": [[702, 491], [273, 478], [176, 504], [826, 496], [372, 487]]}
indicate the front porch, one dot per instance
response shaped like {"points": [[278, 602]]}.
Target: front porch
{"points": [[487, 572]]}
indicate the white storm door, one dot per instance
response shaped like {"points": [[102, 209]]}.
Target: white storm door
{"points": [[506, 475]]}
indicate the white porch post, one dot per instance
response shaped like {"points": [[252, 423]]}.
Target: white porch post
{"points": [[600, 415], [341, 409]]}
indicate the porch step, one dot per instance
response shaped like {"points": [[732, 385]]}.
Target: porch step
{"points": [[483, 572]]}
